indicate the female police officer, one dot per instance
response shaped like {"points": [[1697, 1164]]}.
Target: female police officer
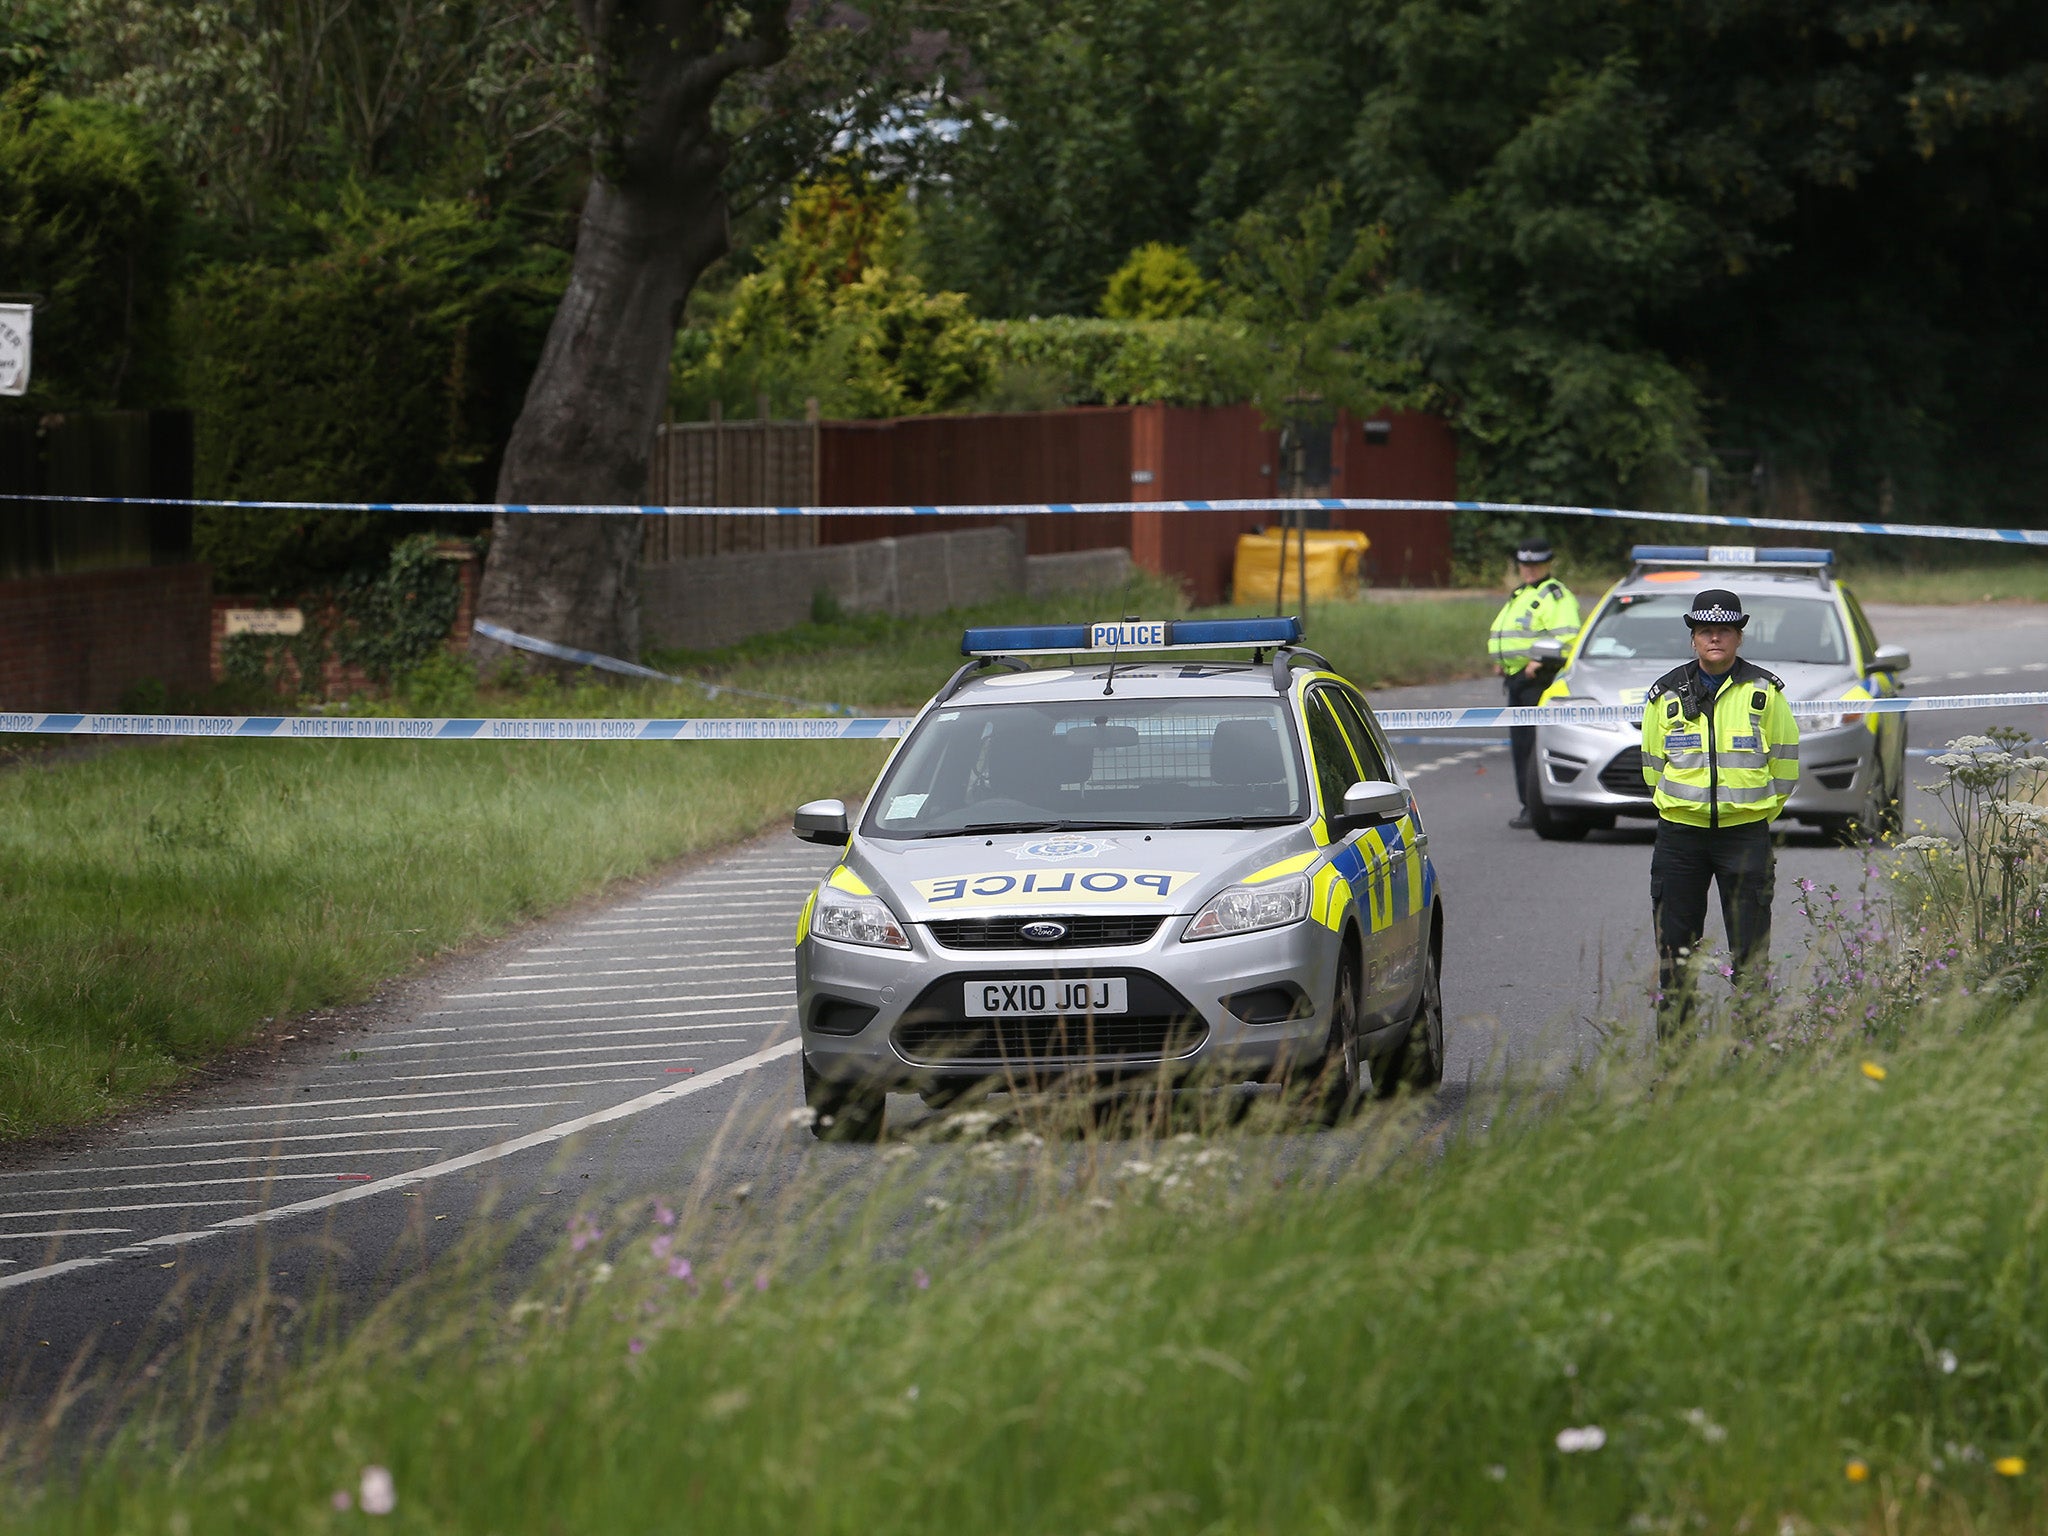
{"points": [[1721, 752]]}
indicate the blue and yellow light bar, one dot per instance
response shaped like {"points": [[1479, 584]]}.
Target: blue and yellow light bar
{"points": [[1730, 554], [1122, 636]]}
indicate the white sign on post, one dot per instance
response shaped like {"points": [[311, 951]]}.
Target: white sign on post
{"points": [[14, 340]]}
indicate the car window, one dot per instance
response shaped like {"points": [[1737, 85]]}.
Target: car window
{"points": [[1371, 762], [1651, 626], [1096, 762], [1335, 771], [1866, 637]]}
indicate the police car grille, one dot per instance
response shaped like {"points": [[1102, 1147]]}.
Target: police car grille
{"points": [[1095, 932], [1624, 776], [935, 1030]]}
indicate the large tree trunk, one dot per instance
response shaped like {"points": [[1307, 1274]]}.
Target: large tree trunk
{"points": [[653, 219]]}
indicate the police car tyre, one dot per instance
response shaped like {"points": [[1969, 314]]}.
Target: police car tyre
{"points": [[1551, 826], [843, 1112], [1341, 1082], [1421, 1064]]}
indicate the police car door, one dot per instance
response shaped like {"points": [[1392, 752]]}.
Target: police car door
{"points": [[1404, 891], [1359, 857]]}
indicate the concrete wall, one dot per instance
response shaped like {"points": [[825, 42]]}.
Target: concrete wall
{"points": [[79, 641], [700, 604]]}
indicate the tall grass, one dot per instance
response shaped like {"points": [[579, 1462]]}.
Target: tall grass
{"points": [[157, 905], [1755, 1278]]}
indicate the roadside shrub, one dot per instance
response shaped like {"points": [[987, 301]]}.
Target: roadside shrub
{"points": [[1157, 282], [389, 366], [89, 220]]}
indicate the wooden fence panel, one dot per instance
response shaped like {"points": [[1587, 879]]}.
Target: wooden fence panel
{"points": [[731, 464]]}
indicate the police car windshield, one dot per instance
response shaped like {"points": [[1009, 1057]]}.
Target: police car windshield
{"points": [[1650, 626], [1092, 763]]}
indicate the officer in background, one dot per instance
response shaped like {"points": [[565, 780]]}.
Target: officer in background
{"points": [[1721, 753], [1540, 608]]}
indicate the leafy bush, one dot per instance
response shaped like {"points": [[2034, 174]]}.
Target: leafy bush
{"points": [[89, 219], [390, 366], [1157, 282]]}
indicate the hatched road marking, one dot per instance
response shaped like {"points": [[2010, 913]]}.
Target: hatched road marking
{"points": [[606, 1017]]}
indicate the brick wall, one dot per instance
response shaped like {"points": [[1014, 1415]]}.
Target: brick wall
{"points": [[79, 641]]}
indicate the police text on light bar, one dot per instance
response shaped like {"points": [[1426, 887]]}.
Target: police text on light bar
{"points": [[1727, 554], [1117, 636]]}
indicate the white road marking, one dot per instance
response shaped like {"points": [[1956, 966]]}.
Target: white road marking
{"points": [[253, 1176], [22, 1237], [109, 1210], [270, 1127], [684, 955], [584, 990], [614, 970], [544, 1137], [261, 1139], [217, 1162], [763, 948], [610, 1002], [384, 1098], [571, 1066], [508, 1025], [587, 1034]]}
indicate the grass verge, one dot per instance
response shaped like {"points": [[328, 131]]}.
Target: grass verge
{"points": [[1775, 1294]]}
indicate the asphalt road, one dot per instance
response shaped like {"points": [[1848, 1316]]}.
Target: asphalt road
{"points": [[609, 1051]]}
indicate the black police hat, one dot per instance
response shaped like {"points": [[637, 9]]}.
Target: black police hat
{"points": [[1716, 605], [1533, 552]]}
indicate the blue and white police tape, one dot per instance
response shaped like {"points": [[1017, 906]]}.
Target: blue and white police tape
{"points": [[857, 728], [439, 728], [569, 653], [1632, 714], [2033, 536]]}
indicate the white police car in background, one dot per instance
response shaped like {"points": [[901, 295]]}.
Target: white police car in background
{"points": [[1142, 861], [1804, 625]]}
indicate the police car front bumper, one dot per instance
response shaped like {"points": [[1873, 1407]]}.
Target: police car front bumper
{"points": [[1594, 771], [898, 1018]]}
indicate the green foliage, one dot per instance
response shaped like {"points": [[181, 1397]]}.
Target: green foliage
{"points": [[383, 622], [836, 313], [1190, 361], [266, 105], [89, 219], [1157, 282], [388, 367], [1618, 231]]}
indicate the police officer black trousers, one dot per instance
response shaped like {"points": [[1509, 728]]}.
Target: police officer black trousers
{"points": [[1740, 862], [1523, 692]]}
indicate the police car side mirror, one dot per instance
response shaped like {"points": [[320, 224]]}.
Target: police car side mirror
{"points": [[821, 821], [1891, 658], [1372, 803], [1547, 650]]}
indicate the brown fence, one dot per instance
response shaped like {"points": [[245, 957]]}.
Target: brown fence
{"points": [[1104, 453], [732, 464]]}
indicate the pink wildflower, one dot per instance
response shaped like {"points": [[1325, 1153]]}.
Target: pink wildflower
{"points": [[920, 1279], [664, 1215]]}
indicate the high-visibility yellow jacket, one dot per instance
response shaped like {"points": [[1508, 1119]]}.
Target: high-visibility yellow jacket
{"points": [[1538, 610], [1719, 758]]}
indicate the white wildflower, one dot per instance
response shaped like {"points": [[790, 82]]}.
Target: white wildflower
{"points": [[378, 1495], [1946, 1359], [801, 1119], [1589, 1437]]}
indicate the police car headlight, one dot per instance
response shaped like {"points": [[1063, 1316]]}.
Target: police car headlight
{"points": [[848, 919], [1247, 908]]}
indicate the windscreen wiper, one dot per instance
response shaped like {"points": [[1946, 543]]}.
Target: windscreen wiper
{"points": [[1004, 826], [1231, 821]]}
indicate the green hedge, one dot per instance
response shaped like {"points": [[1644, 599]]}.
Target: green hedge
{"points": [[389, 366], [89, 218]]}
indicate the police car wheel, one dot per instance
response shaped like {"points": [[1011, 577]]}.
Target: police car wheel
{"points": [[1420, 1063], [843, 1113], [1550, 825], [1340, 1082]]}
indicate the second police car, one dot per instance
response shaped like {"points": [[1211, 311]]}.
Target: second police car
{"points": [[1805, 626], [1146, 861]]}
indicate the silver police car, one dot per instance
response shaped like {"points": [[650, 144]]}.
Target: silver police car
{"points": [[1804, 625], [1141, 862]]}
